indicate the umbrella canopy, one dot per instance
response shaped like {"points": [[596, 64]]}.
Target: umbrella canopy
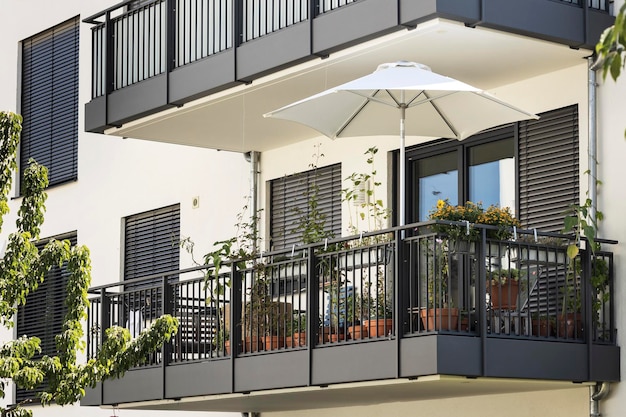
{"points": [[404, 94]]}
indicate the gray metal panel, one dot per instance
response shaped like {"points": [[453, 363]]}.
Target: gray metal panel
{"points": [[354, 362], [95, 115], [604, 363], [358, 21], [458, 355], [552, 20], [418, 356], [440, 354], [93, 396], [137, 100], [201, 78], [198, 378], [272, 52], [270, 371], [135, 385], [413, 12], [598, 21], [535, 360]]}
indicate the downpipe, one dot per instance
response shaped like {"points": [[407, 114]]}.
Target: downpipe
{"points": [[593, 137], [597, 393], [253, 158]]}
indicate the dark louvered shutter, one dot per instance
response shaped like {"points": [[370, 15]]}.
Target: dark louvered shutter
{"points": [[44, 312], [289, 202], [152, 242], [49, 103], [548, 168]]}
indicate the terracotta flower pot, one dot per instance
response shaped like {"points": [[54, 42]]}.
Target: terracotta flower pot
{"points": [[571, 326], [504, 296], [357, 332], [296, 340], [379, 327], [440, 318]]}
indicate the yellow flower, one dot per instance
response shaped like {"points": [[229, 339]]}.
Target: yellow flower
{"points": [[440, 204]]}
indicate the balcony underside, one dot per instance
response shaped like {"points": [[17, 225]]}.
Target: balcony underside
{"points": [[431, 367], [224, 95]]}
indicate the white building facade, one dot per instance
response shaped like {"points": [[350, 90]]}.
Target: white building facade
{"points": [[168, 142]]}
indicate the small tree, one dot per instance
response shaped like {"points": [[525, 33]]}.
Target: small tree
{"points": [[22, 268]]}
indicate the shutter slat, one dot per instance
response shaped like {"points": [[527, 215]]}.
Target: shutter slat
{"points": [[289, 202], [548, 168]]}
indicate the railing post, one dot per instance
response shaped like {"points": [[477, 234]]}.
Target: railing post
{"points": [[312, 317], [105, 315], [109, 66], [166, 308], [481, 301], [238, 23], [235, 317], [170, 43]]}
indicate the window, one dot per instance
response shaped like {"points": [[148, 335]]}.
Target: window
{"points": [[151, 242], [530, 166], [49, 101], [44, 312], [289, 203]]}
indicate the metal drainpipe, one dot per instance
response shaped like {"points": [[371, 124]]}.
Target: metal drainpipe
{"points": [[596, 393], [253, 158], [593, 138]]}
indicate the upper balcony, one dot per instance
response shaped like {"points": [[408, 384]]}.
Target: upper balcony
{"points": [[150, 58], [452, 309]]}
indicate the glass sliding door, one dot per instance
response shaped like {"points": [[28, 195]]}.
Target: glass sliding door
{"points": [[491, 174], [437, 179]]}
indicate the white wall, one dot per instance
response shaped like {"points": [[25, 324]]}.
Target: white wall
{"points": [[118, 177]]}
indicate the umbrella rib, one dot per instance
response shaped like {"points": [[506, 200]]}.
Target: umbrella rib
{"points": [[443, 117], [367, 98]]}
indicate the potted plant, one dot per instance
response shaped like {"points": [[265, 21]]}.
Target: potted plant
{"points": [[357, 308], [223, 341], [542, 325], [370, 213], [504, 284], [296, 331], [440, 313], [460, 236], [380, 322]]}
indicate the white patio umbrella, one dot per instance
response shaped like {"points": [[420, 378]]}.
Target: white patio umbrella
{"points": [[425, 104]]}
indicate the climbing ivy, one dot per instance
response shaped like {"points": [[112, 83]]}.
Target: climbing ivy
{"points": [[22, 268]]}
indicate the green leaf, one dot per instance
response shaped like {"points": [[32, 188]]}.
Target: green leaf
{"points": [[572, 251]]}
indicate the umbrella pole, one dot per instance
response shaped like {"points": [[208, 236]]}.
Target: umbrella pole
{"points": [[402, 161]]}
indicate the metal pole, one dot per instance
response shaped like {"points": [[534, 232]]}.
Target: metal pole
{"points": [[402, 191]]}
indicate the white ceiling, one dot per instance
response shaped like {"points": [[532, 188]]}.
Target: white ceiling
{"points": [[357, 394], [232, 120]]}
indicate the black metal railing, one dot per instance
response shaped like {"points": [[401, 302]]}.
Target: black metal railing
{"points": [[351, 290], [324, 6], [604, 5], [134, 41], [262, 17], [203, 28]]}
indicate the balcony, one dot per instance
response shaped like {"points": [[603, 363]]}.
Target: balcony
{"points": [[390, 309], [165, 54]]}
